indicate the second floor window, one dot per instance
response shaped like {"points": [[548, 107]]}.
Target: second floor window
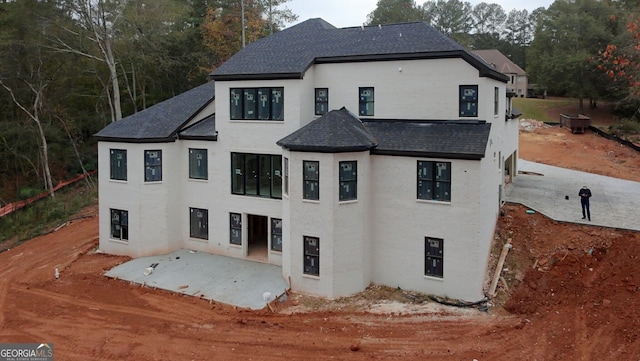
{"points": [[257, 103], [311, 179], [366, 101], [322, 101], [256, 175], [348, 181], [468, 100], [198, 164], [118, 160], [152, 165]]}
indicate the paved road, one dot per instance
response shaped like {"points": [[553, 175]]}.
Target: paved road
{"points": [[544, 188]]}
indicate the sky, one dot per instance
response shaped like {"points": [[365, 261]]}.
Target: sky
{"points": [[345, 13]]}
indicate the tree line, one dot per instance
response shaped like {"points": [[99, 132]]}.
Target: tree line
{"points": [[70, 67]]}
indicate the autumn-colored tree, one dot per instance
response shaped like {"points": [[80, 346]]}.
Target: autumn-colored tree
{"points": [[621, 63], [222, 28]]}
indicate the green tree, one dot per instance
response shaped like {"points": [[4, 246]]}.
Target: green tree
{"points": [[567, 35], [451, 17], [394, 11]]}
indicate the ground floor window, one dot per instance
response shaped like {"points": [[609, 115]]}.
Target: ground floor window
{"points": [[235, 225], [434, 251], [120, 224], [311, 256], [199, 223], [276, 234]]}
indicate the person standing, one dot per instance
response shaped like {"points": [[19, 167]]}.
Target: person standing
{"points": [[585, 194]]}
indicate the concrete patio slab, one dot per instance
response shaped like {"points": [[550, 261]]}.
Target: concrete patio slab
{"points": [[223, 279]]}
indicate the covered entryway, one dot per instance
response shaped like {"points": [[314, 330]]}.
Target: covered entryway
{"points": [[257, 237]]}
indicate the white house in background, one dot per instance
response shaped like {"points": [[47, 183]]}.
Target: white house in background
{"points": [[347, 156], [518, 81]]}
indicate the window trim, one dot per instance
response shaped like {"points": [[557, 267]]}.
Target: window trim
{"points": [[194, 173], [311, 253], [235, 223], [203, 229], [242, 108], [157, 166], [121, 170], [123, 226], [468, 98], [309, 180], [365, 101], [430, 255], [321, 102], [345, 193], [276, 232], [433, 180]]}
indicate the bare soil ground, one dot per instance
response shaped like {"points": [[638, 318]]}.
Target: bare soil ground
{"points": [[570, 292]]}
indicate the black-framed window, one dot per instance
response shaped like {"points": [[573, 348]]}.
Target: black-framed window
{"points": [[285, 185], [311, 256], [276, 234], [311, 180], [235, 228], [199, 223], [198, 167], [348, 180], [152, 165], [257, 103], [120, 224], [468, 100], [496, 100], [366, 101], [256, 175], [322, 101], [434, 181], [118, 160], [433, 257]]}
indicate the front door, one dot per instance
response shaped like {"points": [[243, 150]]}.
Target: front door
{"points": [[257, 238]]}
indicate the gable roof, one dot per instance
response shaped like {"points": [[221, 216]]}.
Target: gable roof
{"points": [[289, 53], [160, 122], [204, 129], [341, 131], [500, 61]]}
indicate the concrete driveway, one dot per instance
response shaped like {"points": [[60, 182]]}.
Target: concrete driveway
{"points": [[614, 203]]}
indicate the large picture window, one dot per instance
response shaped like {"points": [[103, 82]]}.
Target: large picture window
{"points": [[198, 164], [348, 181], [257, 103], [199, 223], [256, 175], [119, 224], [311, 256], [118, 160], [468, 100], [366, 101], [152, 165], [434, 256], [311, 180], [434, 181], [322, 101], [276, 234]]}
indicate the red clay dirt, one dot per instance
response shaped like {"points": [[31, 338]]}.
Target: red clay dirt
{"points": [[568, 292]]}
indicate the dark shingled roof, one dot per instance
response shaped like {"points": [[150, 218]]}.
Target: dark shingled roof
{"points": [[204, 129], [161, 121], [452, 139], [341, 131], [289, 53], [335, 132]]}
